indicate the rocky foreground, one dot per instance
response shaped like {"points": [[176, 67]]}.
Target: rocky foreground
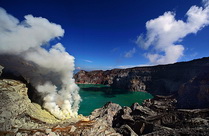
{"points": [[158, 116], [187, 81]]}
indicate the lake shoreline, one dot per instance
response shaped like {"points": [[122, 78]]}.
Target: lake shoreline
{"points": [[96, 95]]}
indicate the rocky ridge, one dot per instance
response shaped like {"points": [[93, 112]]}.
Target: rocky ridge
{"points": [[188, 81]]}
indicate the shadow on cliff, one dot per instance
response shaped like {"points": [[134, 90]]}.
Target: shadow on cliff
{"points": [[33, 94]]}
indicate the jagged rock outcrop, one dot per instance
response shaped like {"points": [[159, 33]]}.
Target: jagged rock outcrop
{"points": [[106, 113], [157, 116], [188, 81]]}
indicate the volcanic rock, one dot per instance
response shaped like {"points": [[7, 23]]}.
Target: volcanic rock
{"points": [[17, 111], [106, 113], [157, 116]]}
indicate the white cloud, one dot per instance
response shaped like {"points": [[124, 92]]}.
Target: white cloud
{"points": [[205, 3], [164, 32], [89, 61], [130, 53]]}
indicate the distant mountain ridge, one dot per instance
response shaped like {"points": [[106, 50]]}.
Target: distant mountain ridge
{"points": [[188, 81]]}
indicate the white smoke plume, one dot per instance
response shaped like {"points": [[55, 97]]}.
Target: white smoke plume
{"points": [[27, 39], [165, 33]]}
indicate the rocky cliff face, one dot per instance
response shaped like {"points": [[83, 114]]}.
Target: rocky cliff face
{"points": [[187, 80]]}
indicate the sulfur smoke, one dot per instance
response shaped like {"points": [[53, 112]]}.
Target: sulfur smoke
{"points": [[29, 40]]}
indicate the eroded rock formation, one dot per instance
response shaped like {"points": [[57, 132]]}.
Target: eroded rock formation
{"points": [[157, 116], [188, 81]]}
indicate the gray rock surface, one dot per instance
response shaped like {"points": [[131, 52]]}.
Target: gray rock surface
{"points": [[157, 116], [106, 113], [17, 111]]}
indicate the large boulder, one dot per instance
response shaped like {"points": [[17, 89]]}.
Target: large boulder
{"points": [[159, 116], [106, 113]]}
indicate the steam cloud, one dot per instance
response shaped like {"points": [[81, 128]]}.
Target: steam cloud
{"points": [[165, 32], [26, 39]]}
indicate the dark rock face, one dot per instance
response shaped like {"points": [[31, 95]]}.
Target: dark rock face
{"points": [[194, 93], [157, 116], [188, 81], [14, 67]]}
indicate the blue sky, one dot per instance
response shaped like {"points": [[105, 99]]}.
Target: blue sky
{"points": [[104, 34]]}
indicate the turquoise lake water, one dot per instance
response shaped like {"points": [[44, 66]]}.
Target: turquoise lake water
{"points": [[96, 96]]}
